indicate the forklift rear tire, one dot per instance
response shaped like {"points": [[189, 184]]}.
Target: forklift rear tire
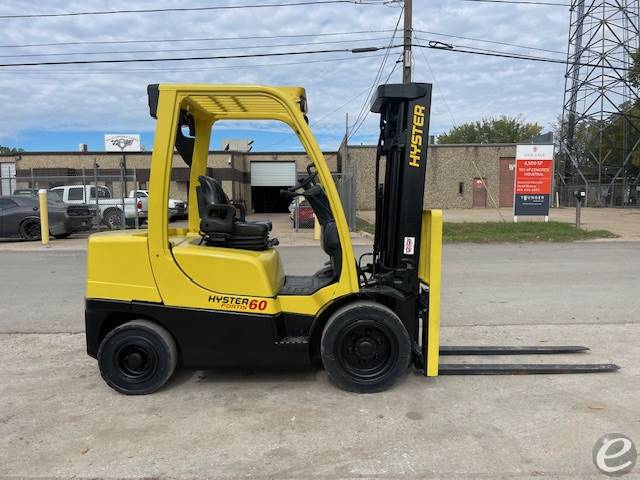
{"points": [[365, 347], [137, 358]]}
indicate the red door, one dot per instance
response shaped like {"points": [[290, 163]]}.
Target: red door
{"points": [[479, 192]]}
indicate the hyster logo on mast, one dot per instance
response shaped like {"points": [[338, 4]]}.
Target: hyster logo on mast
{"points": [[416, 136]]}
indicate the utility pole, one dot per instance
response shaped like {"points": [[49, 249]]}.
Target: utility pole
{"points": [[408, 34]]}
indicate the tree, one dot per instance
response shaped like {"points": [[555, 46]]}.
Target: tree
{"points": [[9, 150], [492, 130]]}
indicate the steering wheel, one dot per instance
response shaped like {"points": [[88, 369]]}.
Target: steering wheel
{"points": [[303, 184]]}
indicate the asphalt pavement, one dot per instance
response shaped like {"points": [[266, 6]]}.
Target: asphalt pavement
{"points": [[59, 419], [507, 284]]}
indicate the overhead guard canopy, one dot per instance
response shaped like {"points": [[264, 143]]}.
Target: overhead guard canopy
{"points": [[231, 101], [225, 102]]}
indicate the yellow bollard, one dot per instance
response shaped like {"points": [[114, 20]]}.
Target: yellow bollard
{"points": [[44, 217], [316, 228]]}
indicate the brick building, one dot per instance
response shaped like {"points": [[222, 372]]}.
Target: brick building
{"points": [[456, 174]]}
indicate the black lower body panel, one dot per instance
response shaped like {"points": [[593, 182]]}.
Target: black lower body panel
{"points": [[208, 338]]}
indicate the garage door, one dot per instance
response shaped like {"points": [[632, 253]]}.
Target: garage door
{"points": [[273, 174], [7, 178]]}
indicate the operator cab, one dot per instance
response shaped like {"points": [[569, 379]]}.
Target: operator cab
{"points": [[222, 238], [223, 224], [313, 192]]}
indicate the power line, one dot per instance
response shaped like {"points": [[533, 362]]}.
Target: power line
{"points": [[522, 2], [364, 111], [192, 9], [393, 69], [437, 86], [321, 119], [516, 45], [198, 49], [453, 120], [194, 69], [496, 53], [207, 57], [175, 40]]}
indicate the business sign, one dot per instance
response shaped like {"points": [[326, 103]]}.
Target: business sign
{"points": [[122, 143], [534, 174]]}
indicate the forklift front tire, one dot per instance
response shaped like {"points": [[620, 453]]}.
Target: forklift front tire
{"points": [[365, 348], [137, 358]]}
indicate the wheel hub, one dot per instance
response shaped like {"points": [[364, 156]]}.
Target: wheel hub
{"points": [[134, 361], [365, 348]]}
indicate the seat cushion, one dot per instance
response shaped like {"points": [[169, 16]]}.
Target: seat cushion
{"points": [[243, 229], [264, 222], [303, 284]]}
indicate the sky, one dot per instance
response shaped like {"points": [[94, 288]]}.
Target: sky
{"points": [[58, 107]]}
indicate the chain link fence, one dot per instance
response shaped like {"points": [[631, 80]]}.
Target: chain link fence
{"points": [[112, 197], [346, 182], [618, 194]]}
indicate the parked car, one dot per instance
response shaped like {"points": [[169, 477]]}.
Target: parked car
{"points": [[177, 208], [26, 192], [20, 217], [305, 213], [110, 208], [81, 216]]}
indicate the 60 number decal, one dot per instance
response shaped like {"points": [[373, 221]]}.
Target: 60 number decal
{"points": [[257, 304]]}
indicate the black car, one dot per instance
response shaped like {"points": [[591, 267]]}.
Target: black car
{"points": [[26, 192], [81, 216], [20, 217]]}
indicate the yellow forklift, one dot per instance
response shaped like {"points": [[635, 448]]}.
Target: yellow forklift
{"points": [[214, 294]]}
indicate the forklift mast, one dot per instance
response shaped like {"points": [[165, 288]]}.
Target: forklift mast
{"points": [[404, 132]]}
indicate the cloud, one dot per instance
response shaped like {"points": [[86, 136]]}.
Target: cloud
{"points": [[113, 97]]}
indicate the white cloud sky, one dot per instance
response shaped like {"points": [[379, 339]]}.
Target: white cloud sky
{"points": [[113, 97]]}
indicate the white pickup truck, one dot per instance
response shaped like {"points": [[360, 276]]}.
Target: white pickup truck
{"points": [[177, 208], [110, 208]]}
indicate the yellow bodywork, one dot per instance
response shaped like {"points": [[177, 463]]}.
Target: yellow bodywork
{"points": [[429, 272], [228, 270], [118, 267], [168, 265]]}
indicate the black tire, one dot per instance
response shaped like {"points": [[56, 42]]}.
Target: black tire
{"points": [[365, 347], [30, 229], [63, 235], [137, 358], [113, 218]]}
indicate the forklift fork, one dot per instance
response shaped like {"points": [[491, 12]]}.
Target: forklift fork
{"points": [[519, 368], [427, 355]]}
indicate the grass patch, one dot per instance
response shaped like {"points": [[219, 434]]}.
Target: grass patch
{"points": [[364, 226], [498, 232]]}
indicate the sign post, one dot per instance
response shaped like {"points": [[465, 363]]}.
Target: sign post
{"points": [[532, 186]]}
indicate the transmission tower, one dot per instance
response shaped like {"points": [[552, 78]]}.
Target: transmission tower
{"points": [[600, 128]]}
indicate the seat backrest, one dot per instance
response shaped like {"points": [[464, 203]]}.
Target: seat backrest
{"points": [[330, 242], [320, 204], [209, 192]]}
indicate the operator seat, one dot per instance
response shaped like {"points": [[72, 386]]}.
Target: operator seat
{"points": [[219, 225]]}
